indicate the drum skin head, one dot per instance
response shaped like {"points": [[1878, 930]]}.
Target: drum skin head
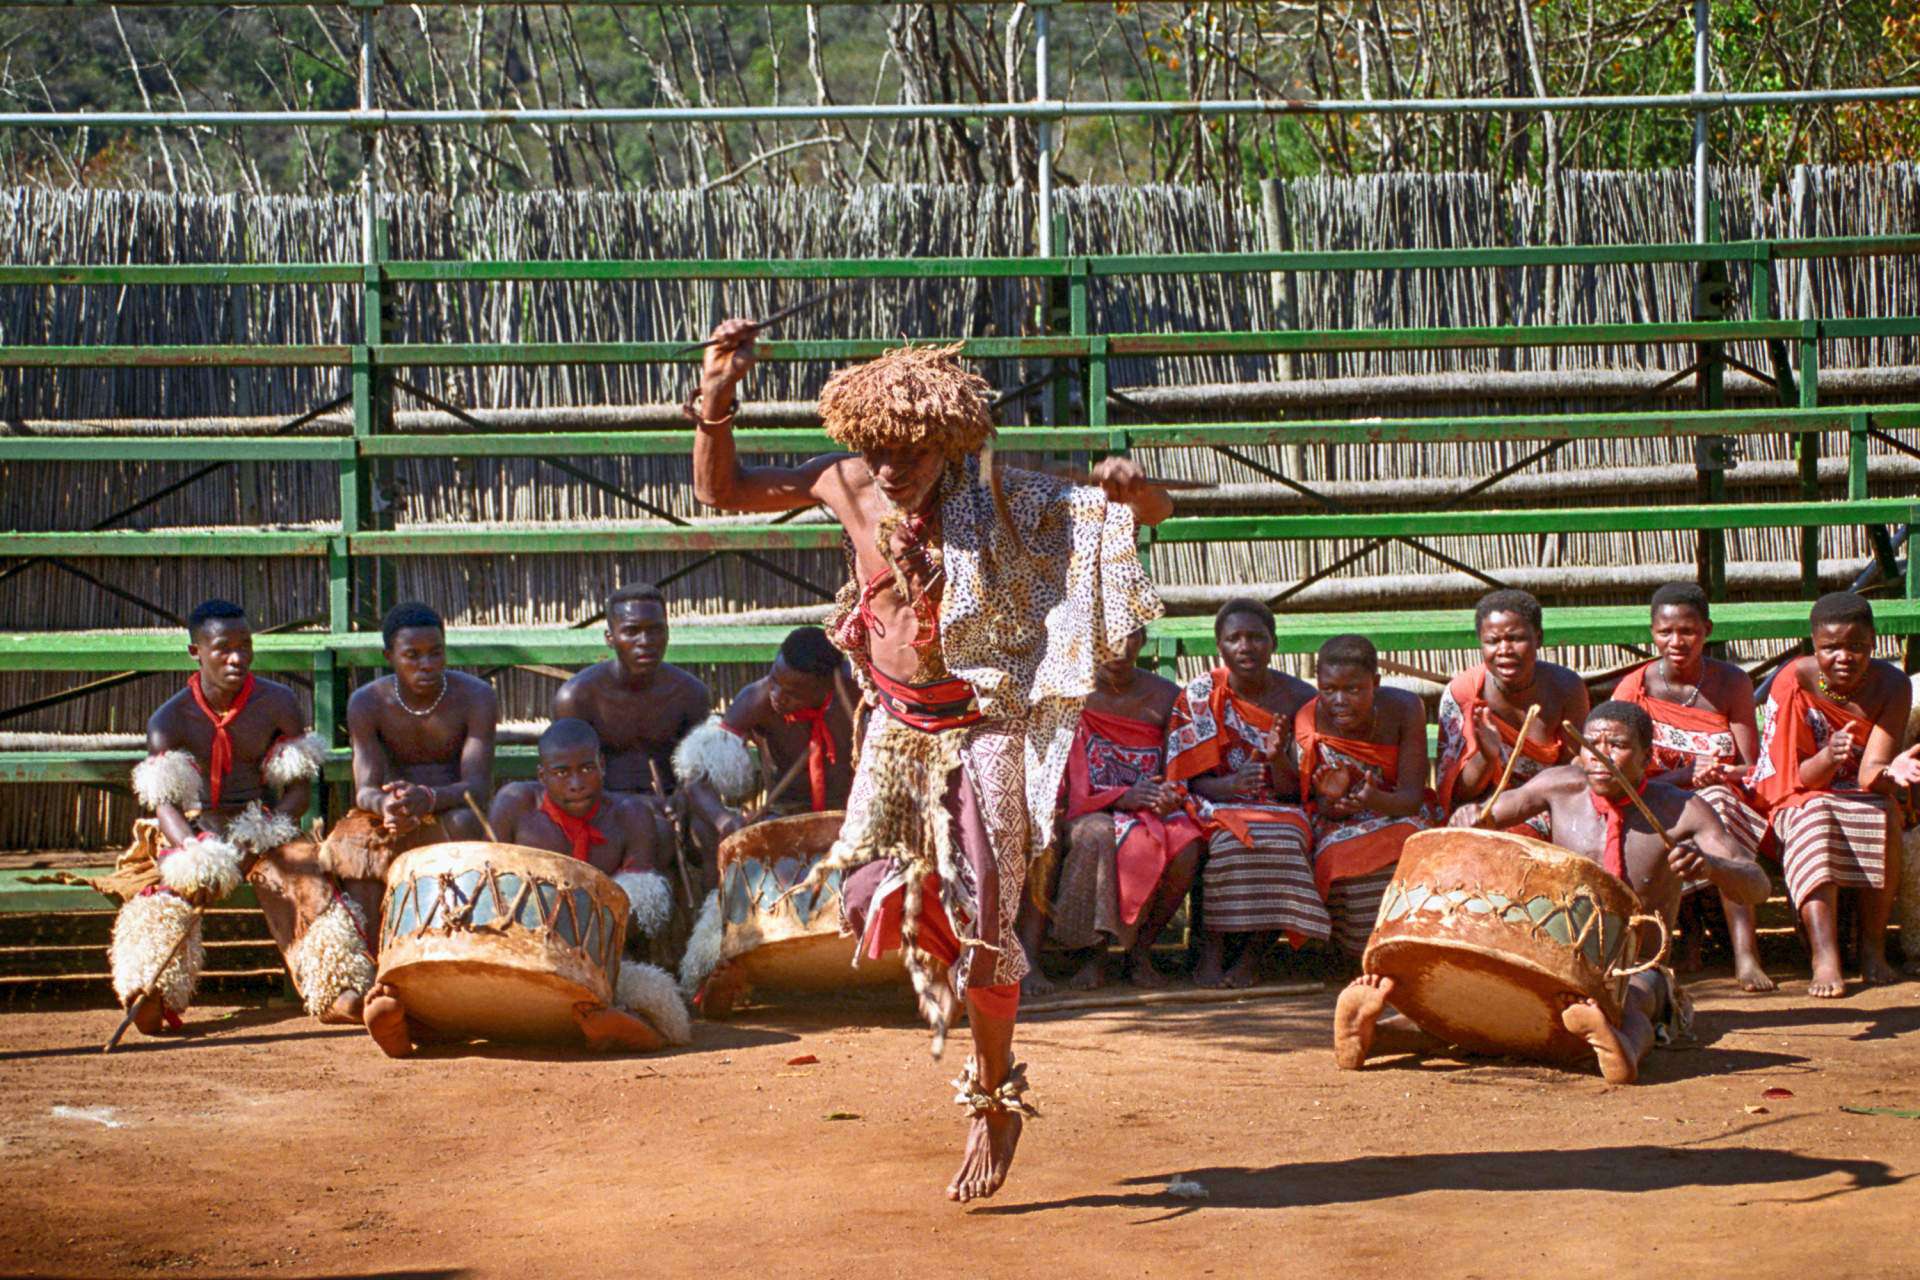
{"points": [[488, 1000], [1481, 1002]]}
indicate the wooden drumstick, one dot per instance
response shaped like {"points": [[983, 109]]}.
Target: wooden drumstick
{"points": [[680, 837], [484, 824], [193, 921], [1621, 778], [779, 788], [1506, 770]]}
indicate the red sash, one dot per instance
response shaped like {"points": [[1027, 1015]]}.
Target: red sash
{"points": [[580, 832], [220, 763], [820, 749], [944, 704], [1468, 689], [1789, 740]]}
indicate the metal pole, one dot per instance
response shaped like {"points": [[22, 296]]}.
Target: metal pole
{"points": [[1052, 110], [1700, 116], [1043, 131], [370, 144]]}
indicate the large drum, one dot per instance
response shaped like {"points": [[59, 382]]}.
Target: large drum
{"points": [[499, 941], [1487, 936], [785, 943]]}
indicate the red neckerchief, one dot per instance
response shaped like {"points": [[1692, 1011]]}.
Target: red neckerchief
{"points": [[1614, 814], [580, 832], [820, 750], [221, 762]]}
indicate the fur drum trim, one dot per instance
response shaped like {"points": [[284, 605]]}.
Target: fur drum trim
{"points": [[716, 753], [333, 958], [143, 933], [294, 760], [651, 900], [207, 868], [703, 947], [647, 991], [168, 778], [261, 830]]}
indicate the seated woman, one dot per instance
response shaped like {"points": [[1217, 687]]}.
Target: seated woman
{"points": [[1484, 706], [1704, 741], [1229, 741], [1130, 848], [1363, 769]]}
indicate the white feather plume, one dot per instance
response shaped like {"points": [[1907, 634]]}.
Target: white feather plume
{"points": [[647, 990], [703, 948], [333, 958], [168, 778], [295, 760], [143, 933], [717, 754], [259, 829], [207, 869], [651, 900]]}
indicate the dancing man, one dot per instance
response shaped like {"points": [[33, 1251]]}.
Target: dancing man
{"points": [[980, 604]]}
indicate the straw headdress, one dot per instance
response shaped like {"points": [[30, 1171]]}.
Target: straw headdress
{"points": [[910, 395]]}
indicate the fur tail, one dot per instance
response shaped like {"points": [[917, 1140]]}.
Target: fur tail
{"points": [[650, 899], [647, 991], [703, 948]]}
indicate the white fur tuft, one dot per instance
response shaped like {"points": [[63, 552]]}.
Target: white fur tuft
{"points": [[717, 754], [143, 933], [168, 778], [333, 959], [703, 948], [651, 900], [205, 868], [260, 830], [647, 990], [295, 760]]}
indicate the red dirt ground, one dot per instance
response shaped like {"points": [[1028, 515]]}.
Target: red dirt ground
{"points": [[267, 1145]]}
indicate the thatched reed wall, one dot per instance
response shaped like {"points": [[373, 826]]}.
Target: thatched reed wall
{"points": [[1406, 210]]}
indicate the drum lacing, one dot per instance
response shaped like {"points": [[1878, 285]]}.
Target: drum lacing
{"points": [[1009, 1097]]}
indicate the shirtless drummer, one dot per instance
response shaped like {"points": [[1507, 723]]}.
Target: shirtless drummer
{"points": [[640, 704], [422, 745], [1591, 815]]}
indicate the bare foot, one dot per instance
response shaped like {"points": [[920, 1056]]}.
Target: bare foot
{"points": [[386, 1022], [148, 1014], [1751, 976], [608, 1029], [1876, 972], [1139, 971], [1210, 971], [1829, 983], [1585, 1020], [1036, 984], [1354, 1016], [1092, 975], [1245, 972], [989, 1155], [347, 1011]]}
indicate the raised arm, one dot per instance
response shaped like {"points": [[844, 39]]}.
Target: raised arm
{"points": [[718, 478]]}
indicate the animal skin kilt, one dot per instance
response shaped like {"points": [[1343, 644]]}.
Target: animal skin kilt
{"points": [[1028, 607]]}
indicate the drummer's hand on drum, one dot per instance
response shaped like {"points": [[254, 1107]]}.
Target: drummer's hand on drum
{"points": [[1467, 815], [1687, 861]]}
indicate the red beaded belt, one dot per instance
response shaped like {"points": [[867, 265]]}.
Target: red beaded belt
{"points": [[943, 704]]}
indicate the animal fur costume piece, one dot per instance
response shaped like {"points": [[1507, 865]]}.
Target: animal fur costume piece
{"points": [[1042, 583], [144, 931], [204, 870], [647, 991], [716, 753], [649, 897], [259, 829], [703, 948], [295, 760], [168, 778]]}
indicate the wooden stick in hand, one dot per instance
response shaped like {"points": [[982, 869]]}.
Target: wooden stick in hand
{"points": [[1506, 770], [484, 824], [1633, 794]]}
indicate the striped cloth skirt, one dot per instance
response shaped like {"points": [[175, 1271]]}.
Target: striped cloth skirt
{"points": [[1837, 838], [1353, 905], [1266, 885]]}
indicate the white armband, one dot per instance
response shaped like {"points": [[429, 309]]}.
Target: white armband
{"points": [[168, 778]]}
